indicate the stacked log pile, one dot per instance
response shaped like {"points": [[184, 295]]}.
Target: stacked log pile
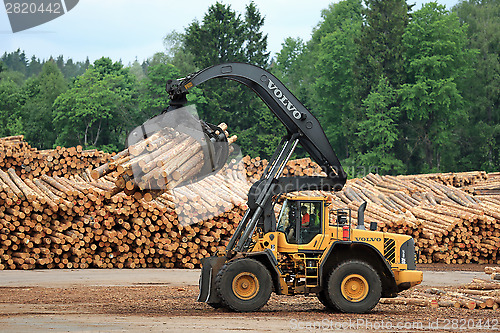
{"points": [[162, 161], [478, 294], [494, 272], [81, 220], [54, 222], [455, 179], [487, 188], [300, 167], [31, 163]]}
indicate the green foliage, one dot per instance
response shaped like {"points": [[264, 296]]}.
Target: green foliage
{"points": [[218, 38], [154, 98], [379, 131], [255, 45], [99, 109], [436, 53], [137, 70], [291, 67], [337, 16], [335, 52], [226, 36], [34, 67], [176, 54], [380, 45], [11, 100], [377, 73], [262, 140], [16, 77], [480, 146], [41, 91], [18, 62]]}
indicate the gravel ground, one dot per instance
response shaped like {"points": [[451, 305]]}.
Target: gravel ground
{"points": [[452, 267], [158, 308]]}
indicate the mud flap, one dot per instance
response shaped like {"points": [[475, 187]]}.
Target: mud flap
{"points": [[209, 268]]}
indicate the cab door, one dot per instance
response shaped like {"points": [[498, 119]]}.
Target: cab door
{"points": [[310, 225], [301, 225]]}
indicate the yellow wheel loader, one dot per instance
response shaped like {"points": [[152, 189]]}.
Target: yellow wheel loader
{"points": [[303, 250]]}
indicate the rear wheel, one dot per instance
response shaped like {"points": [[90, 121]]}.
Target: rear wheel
{"points": [[354, 286], [244, 285]]}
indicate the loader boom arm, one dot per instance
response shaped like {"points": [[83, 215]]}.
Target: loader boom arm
{"points": [[302, 128], [288, 109]]}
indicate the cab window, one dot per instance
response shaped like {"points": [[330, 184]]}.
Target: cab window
{"points": [[300, 221], [310, 221], [287, 221]]}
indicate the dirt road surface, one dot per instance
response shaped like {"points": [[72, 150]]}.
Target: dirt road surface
{"points": [[157, 300]]}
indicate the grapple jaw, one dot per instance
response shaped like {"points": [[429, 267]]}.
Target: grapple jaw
{"points": [[198, 149]]}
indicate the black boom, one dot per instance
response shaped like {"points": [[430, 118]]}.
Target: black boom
{"points": [[292, 113]]}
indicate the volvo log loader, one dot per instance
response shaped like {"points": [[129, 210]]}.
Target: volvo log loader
{"points": [[305, 249]]}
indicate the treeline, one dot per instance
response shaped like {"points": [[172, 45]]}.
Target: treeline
{"points": [[397, 89], [403, 90]]}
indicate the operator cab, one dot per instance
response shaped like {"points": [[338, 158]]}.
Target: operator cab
{"points": [[300, 220]]}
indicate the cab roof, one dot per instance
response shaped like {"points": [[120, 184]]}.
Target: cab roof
{"points": [[306, 198]]}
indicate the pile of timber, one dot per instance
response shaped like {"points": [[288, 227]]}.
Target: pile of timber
{"points": [[160, 162], [489, 187], [68, 217], [494, 272], [300, 167], [456, 179], [76, 221], [448, 224], [57, 222], [478, 294], [31, 163]]}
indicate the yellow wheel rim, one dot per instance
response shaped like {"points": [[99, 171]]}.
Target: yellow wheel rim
{"points": [[354, 288], [245, 285]]}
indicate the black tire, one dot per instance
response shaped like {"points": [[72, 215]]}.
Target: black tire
{"points": [[324, 298], [354, 286], [243, 285], [215, 305]]}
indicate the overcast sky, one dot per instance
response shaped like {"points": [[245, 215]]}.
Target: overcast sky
{"points": [[130, 29]]}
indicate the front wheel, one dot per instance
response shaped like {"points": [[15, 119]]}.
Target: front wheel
{"points": [[215, 305], [244, 285], [354, 286], [324, 298]]}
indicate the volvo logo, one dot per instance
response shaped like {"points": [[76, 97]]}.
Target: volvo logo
{"points": [[283, 99], [368, 239]]}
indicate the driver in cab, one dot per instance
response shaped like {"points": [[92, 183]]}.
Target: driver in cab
{"points": [[305, 216]]}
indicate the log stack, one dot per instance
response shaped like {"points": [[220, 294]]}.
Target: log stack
{"points": [[31, 163], [162, 161], [71, 218], [488, 188], [478, 294], [300, 167], [54, 222], [448, 224], [76, 221], [455, 179]]}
